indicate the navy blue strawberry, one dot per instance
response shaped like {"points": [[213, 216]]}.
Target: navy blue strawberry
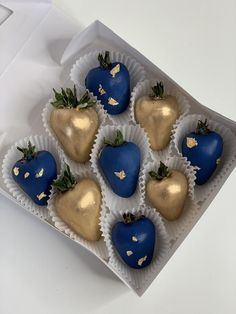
{"points": [[203, 149], [120, 164], [110, 82], [35, 173], [134, 240]]}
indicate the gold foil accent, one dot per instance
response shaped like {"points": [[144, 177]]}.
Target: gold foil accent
{"points": [[101, 90], [26, 175], [82, 123], [115, 70], [218, 161], [39, 174], [166, 111], [120, 174], [87, 200], [41, 196], [112, 101], [16, 171], [129, 253], [174, 188], [134, 239], [142, 260], [191, 142]]}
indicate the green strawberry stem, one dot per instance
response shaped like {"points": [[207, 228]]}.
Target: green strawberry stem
{"points": [[66, 182], [162, 172], [28, 152], [202, 127], [118, 141], [67, 98], [105, 62], [158, 90], [129, 218]]}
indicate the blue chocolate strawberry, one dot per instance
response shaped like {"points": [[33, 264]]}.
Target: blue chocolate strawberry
{"points": [[134, 240], [35, 173], [120, 164], [110, 82], [203, 149]]}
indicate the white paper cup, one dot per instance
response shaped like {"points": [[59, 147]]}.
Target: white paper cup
{"points": [[190, 211], [82, 66], [41, 143], [189, 124], [138, 279], [145, 88], [131, 134], [97, 247], [102, 116]]}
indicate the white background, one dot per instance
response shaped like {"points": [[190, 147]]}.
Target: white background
{"points": [[194, 42]]}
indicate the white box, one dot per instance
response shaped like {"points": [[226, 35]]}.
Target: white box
{"points": [[34, 63]]}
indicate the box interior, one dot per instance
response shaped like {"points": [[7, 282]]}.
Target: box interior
{"points": [[44, 62]]}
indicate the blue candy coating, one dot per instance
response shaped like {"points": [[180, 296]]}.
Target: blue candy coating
{"points": [[126, 157], [204, 155], [32, 185], [144, 232], [117, 87]]}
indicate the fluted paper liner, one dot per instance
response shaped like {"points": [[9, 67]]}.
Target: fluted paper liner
{"points": [[82, 66], [189, 124], [97, 247], [41, 143], [138, 279], [190, 211], [131, 134], [102, 116], [145, 88]]}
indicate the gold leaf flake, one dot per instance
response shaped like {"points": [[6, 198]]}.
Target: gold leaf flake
{"points": [[120, 174], [112, 101], [191, 142], [115, 70], [218, 161], [16, 171], [134, 239], [40, 173], [129, 253], [142, 260], [26, 175], [101, 90], [41, 196]]}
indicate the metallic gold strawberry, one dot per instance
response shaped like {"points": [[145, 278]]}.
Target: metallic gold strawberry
{"points": [[78, 204], [75, 123], [157, 114], [167, 191]]}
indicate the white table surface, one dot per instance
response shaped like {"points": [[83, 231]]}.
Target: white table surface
{"points": [[43, 272]]}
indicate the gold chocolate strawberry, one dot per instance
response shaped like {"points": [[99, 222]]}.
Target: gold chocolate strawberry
{"points": [[167, 191], [157, 114], [75, 123], [78, 204]]}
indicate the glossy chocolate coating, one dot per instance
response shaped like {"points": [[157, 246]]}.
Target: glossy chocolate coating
{"points": [[168, 195], [157, 116], [75, 130], [80, 209]]}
